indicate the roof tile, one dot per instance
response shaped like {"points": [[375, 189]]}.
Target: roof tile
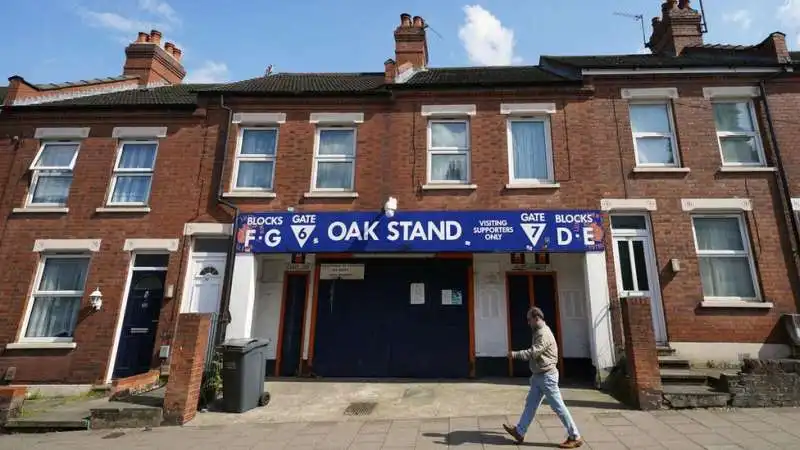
{"points": [[306, 82]]}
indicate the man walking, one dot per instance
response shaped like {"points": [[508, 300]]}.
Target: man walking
{"points": [[543, 357]]}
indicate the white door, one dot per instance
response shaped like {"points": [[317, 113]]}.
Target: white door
{"points": [[206, 288], [636, 268]]}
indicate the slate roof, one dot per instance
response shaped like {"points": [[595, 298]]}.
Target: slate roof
{"points": [[649, 61], [176, 95], [294, 83], [492, 75]]}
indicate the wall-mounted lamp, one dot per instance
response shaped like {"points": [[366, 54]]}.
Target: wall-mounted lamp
{"points": [[675, 264], [96, 297], [390, 207]]}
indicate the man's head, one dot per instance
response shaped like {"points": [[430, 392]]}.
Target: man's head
{"points": [[535, 317]]}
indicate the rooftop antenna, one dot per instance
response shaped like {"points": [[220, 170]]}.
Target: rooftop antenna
{"points": [[703, 24], [427, 26], [639, 18], [269, 71]]}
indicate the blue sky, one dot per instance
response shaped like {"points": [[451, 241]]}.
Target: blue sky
{"points": [[63, 40]]}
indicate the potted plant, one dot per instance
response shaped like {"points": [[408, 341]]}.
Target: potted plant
{"points": [[211, 386]]}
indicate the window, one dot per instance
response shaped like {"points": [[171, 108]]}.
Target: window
{"points": [[133, 174], [57, 298], [52, 174], [448, 151], [739, 141], [726, 267], [334, 159], [653, 135], [255, 159], [530, 154]]}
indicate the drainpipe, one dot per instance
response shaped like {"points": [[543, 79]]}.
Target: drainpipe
{"points": [[227, 281], [784, 183]]}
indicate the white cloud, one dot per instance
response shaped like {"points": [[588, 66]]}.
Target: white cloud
{"points": [[116, 22], [160, 8], [741, 17], [209, 72], [486, 40], [789, 15]]}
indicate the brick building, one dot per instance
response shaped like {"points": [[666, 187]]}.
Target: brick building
{"points": [[399, 223]]}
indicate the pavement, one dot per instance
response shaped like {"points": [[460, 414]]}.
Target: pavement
{"points": [[757, 429]]}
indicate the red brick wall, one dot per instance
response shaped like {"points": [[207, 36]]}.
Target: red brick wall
{"points": [[641, 359], [186, 368], [180, 175]]}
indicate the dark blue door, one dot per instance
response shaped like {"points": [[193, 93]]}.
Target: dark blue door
{"points": [[136, 341], [372, 328], [520, 299]]}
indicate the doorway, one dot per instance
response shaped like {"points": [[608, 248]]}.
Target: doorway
{"points": [[293, 309], [635, 266], [204, 278], [523, 291], [142, 310]]}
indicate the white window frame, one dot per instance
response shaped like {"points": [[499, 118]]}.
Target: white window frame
{"points": [[60, 171], [132, 172], [253, 158], [672, 135], [36, 293], [746, 253], [334, 158], [545, 120], [430, 150], [756, 133]]}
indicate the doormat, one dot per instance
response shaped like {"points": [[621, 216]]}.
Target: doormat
{"points": [[360, 409]]}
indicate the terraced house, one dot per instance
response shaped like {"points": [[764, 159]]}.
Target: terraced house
{"points": [[399, 223]]}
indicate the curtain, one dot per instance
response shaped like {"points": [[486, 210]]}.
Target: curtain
{"points": [[652, 118], [52, 189], [57, 155], [55, 315], [258, 142], [451, 135], [334, 175], [733, 117], [255, 174], [723, 276], [336, 142], [338, 173], [530, 150], [134, 188], [449, 167]]}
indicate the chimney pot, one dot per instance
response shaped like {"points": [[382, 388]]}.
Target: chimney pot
{"points": [[418, 22], [169, 47], [177, 53], [155, 37], [683, 4], [405, 20], [142, 38]]}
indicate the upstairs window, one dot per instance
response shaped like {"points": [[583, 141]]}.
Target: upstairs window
{"points": [[653, 134], [133, 173], [255, 159], [448, 151], [52, 174], [334, 159], [739, 140], [530, 151]]}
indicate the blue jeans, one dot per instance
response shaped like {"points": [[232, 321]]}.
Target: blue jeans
{"points": [[546, 385]]}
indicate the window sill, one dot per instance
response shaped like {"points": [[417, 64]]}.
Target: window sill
{"points": [[123, 209], [40, 210], [735, 304], [40, 345], [323, 194], [449, 187], [661, 169], [739, 169], [533, 185], [249, 194]]}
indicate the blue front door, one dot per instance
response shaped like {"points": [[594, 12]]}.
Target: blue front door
{"points": [[136, 341]]}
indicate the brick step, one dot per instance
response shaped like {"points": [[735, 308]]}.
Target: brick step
{"points": [[683, 396], [683, 377], [673, 362], [33, 425], [664, 350]]}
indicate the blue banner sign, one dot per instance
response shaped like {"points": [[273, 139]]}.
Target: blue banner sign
{"points": [[420, 231]]}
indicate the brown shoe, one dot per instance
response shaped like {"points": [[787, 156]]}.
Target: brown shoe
{"points": [[572, 443], [514, 433]]}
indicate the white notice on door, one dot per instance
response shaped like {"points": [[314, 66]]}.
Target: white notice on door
{"points": [[417, 293], [341, 272], [447, 297]]}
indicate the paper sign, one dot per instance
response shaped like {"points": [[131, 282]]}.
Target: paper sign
{"points": [[456, 300], [341, 272], [447, 297], [417, 293]]}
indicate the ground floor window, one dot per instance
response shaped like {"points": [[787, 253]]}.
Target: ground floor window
{"points": [[726, 264], [57, 294]]}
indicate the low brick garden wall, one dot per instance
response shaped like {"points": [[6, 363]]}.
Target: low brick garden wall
{"points": [[764, 383]]}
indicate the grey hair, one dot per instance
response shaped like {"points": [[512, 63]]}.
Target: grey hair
{"points": [[535, 313]]}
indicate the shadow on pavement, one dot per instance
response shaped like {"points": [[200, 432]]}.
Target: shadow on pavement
{"points": [[454, 438]]}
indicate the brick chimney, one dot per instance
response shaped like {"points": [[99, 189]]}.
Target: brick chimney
{"points": [[678, 28], [146, 59], [410, 44]]}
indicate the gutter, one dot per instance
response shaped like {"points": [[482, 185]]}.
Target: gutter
{"points": [[784, 183], [227, 281]]}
